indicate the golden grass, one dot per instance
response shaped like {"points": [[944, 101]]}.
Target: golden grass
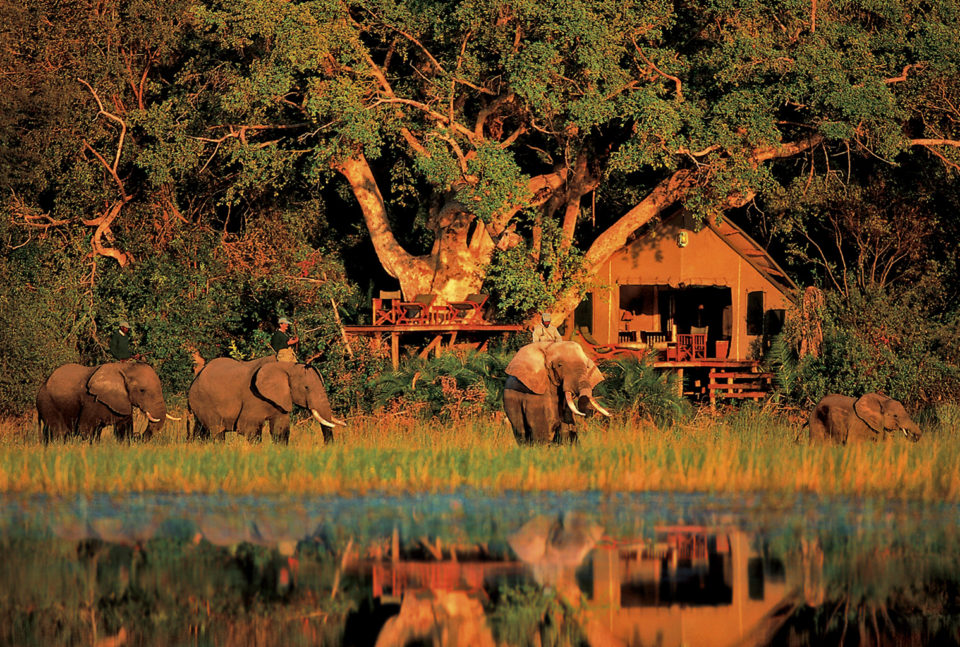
{"points": [[744, 452]]}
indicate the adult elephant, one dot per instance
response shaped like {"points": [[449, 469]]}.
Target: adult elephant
{"points": [[548, 384], [842, 419], [83, 400], [230, 395]]}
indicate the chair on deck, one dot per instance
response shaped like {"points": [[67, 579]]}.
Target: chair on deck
{"points": [[470, 310], [691, 346], [699, 334], [416, 311], [384, 310]]}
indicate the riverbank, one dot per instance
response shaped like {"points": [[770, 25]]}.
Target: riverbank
{"points": [[746, 452]]}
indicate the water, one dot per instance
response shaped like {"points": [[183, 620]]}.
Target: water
{"points": [[601, 569]]}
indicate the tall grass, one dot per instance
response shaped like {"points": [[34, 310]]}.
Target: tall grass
{"points": [[749, 451]]}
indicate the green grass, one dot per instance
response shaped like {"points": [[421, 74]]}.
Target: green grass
{"points": [[747, 451]]}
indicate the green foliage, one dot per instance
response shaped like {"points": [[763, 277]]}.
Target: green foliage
{"points": [[632, 387], [526, 282], [450, 386], [45, 313], [878, 340], [530, 615]]}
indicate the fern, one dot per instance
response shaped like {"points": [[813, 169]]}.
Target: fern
{"points": [[634, 387]]}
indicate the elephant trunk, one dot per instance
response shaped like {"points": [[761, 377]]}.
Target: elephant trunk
{"points": [[322, 411], [911, 431], [156, 413]]}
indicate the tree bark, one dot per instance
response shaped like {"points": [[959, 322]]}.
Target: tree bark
{"points": [[413, 272]]}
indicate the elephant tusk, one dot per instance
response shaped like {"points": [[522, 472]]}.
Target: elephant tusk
{"points": [[342, 423], [572, 406], [596, 405], [323, 421], [169, 417], [151, 418]]}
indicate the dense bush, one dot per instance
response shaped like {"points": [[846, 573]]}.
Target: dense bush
{"points": [[902, 344], [632, 387], [200, 297], [450, 386]]}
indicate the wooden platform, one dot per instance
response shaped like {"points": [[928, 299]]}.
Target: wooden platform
{"points": [[734, 379], [436, 331]]}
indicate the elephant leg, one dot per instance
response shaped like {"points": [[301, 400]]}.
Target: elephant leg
{"points": [[513, 407], [280, 429], [54, 429], [89, 424], [123, 430], [566, 434], [250, 427], [541, 418]]}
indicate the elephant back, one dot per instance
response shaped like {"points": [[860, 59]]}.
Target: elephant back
{"points": [[67, 382]]}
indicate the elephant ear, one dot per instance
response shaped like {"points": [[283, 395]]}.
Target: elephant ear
{"points": [[108, 385], [869, 408], [272, 383], [530, 367]]}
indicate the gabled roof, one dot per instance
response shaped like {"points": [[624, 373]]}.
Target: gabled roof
{"points": [[753, 253], [741, 243]]}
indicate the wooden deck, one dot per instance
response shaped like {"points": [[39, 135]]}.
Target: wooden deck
{"points": [[436, 332]]}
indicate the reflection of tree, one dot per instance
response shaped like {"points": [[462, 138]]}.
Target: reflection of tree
{"points": [[875, 590]]}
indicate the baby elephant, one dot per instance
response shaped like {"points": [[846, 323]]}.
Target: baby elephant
{"points": [[843, 419]]}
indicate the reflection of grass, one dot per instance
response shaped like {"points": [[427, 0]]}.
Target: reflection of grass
{"points": [[170, 592], [745, 452]]}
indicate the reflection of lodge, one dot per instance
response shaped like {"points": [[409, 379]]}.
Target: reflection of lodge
{"points": [[465, 322], [690, 587]]}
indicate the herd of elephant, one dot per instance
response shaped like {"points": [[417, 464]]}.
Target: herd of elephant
{"points": [[549, 386]]}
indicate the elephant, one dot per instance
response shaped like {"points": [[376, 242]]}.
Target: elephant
{"points": [[843, 419], [240, 396], [544, 379], [83, 400]]}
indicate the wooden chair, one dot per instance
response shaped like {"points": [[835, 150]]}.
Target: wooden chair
{"points": [[469, 310], [384, 308], [416, 311], [699, 346], [691, 346]]}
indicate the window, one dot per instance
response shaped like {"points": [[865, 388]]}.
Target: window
{"points": [[755, 313]]}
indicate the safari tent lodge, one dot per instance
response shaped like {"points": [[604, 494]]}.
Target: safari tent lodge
{"points": [[688, 295]]}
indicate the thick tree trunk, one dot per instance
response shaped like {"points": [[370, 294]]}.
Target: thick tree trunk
{"points": [[615, 237], [415, 273], [454, 268], [460, 255]]}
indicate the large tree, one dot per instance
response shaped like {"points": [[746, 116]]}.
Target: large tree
{"points": [[488, 125]]}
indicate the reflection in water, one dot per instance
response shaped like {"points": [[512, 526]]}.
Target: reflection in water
{"points": [[472, 571]]}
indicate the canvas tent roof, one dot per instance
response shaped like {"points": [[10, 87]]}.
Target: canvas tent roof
{"points": [[741, 243]]}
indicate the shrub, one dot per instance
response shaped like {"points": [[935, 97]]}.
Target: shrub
{"points": [[872, 341], [450, 386], [633, 387]]}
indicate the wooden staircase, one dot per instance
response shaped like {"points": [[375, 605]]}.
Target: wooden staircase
{"points": [[738, 385]]}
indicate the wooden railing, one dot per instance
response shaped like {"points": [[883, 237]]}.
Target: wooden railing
{"points": [[738, 384]]}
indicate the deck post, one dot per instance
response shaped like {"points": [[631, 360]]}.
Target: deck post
{"points": [[680, 381], [395, 350]]}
